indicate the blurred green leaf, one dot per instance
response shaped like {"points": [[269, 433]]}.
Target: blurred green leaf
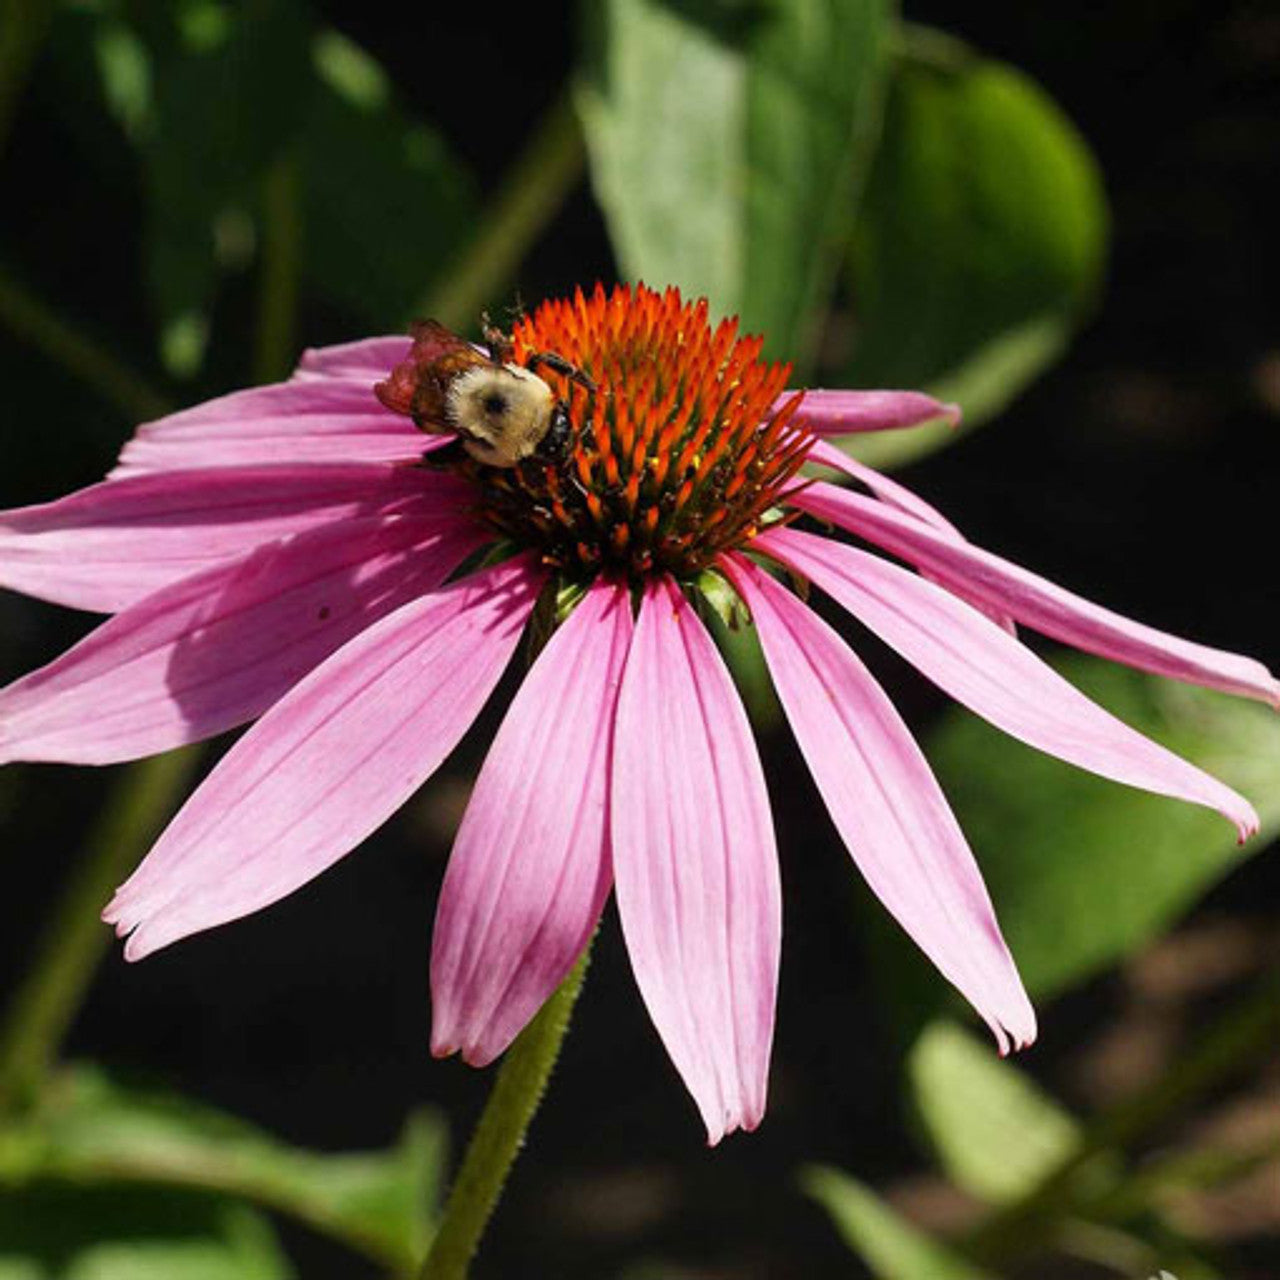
{"points": [[228, 96], [352, 73], [890, 1246], [74, 1233], [91, 1130], [996, 1132], [1084, 871], [125, 69], [214, 97], [980, 242], [386, 205], [726, 146], [1167, 1176]]}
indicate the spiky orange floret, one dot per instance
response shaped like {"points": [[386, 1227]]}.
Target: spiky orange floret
{"points": [[677, 456]]}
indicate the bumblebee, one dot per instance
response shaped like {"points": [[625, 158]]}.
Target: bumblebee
{"points": [[500, 411]]}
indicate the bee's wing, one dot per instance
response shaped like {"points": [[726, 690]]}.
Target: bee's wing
{"points": [[432, 342], [416, 386]]}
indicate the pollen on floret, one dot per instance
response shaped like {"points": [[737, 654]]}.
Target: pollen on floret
{"points": [[678, 455]]}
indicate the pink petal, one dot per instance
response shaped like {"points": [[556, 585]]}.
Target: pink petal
{"points": [[993, 674], [695, 864], [1039, 603], [331, 761], [109, 545], [306, 420], [886, 803], [899, 496], [216, 649], [841, 413], [530, 869], [367, 358], [884, 487]]}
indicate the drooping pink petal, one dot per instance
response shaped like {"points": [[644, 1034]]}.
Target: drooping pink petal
{"points": [[899, 496], [1038, 603], [331, 761], [216, 649], [842, 413], [884, 487], [305, 420], [694, 862], [107, 546], [365, 358], [530, 869], [886, 803], [993, 674]]}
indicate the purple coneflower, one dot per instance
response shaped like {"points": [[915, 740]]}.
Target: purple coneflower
{"points": [[285, 554]]}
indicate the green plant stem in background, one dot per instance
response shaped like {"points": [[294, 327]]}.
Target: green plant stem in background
{"points": [[1201, 1167], [23, 25], [517, 1092], [281, 270], [75, 940], [32, 320], [1229, 1046], [530, 196]]}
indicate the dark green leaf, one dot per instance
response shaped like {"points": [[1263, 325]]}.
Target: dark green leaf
{"points": [[980, 240], [227, 100], [386, 205], [216, 97], [1083, 871], [890, 1246], [93, 1131], [75, 1233], [726, 146]]}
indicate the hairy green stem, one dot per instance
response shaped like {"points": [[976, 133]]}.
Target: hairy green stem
{"points": [[1248, 1029], [517, 1092], [275, 342], [530, 196], [75, 940], [35, 322]]}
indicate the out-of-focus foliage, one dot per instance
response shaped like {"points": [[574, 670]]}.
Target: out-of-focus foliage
{"points": [[90, 1132], [126, 1233], [387, 204], [980, 243], [1086, 871], [727, 144], [233, 107], [729, 148], [1050, 1184], [881, 1237], [994, 1131]]}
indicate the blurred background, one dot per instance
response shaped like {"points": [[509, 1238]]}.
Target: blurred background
{"points": [[1062, 217]]}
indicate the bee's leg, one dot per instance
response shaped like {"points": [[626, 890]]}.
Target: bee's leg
{"points": [[555, 443], [560, 365], [500, 346]]}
